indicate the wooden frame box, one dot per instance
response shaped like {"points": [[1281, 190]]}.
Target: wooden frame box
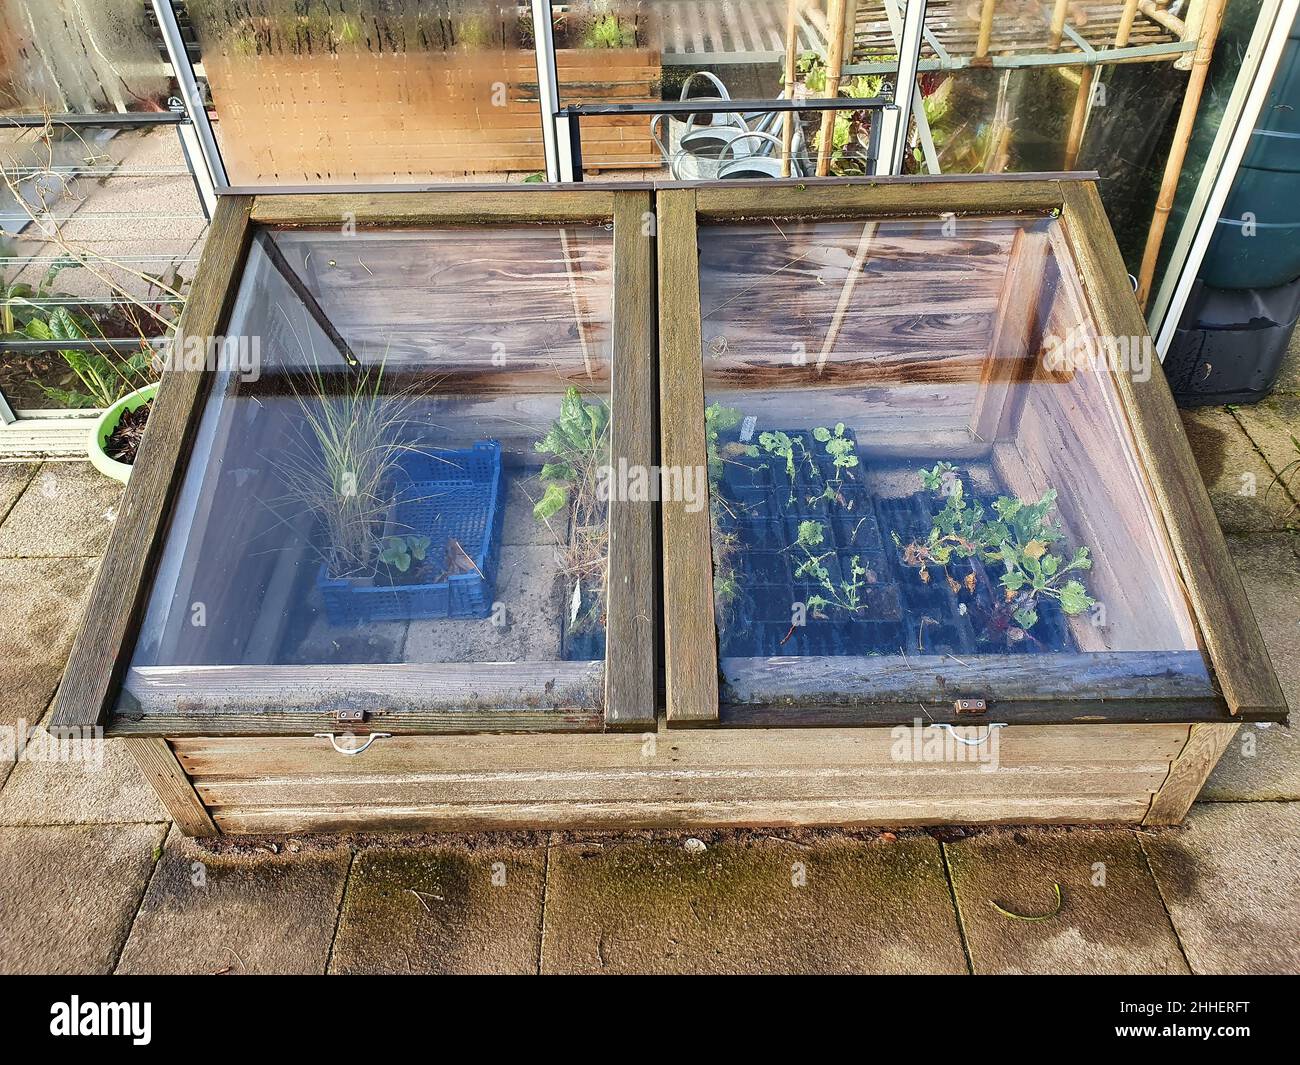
{"points": [[239, 726]]}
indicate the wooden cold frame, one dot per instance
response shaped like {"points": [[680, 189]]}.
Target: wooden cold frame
{"points": [[1198, 558], [102, 651]]}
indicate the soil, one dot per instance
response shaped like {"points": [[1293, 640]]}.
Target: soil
{"points": [[124, 441]]}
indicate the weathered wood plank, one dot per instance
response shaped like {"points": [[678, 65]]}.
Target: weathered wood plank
{"points": [[103, 645], [848, 679], [630, 671], [690, 637], [869, 199], [390, 688], [1188, 773], [683, 815], [425, 208], [175, 792], [234, 757], [1227, 623], [1017, 335], [910, 782]]}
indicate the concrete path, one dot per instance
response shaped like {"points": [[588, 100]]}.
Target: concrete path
{"points": [[94, 879]]}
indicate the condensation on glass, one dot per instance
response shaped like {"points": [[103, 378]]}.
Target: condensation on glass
{"points": [[917, 460], [370, 90], [72, 56], [396, 466]]}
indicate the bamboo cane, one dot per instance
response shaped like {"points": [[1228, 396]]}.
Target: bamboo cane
{"points": [[1126, 23], [1210, 21], [986, 29], [791, 57], [834, 69], [1083, 101], [1058, 23]]}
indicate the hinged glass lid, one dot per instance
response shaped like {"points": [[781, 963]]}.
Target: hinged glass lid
{"points": [[391, 503], [922, 483]]}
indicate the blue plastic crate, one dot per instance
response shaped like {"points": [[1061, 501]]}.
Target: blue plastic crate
{"points": [[444, 495]]}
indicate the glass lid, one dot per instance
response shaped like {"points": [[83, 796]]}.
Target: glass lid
{"points": [[918, 465], [391, 500]]}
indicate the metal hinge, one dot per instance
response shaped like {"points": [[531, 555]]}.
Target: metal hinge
{"points": [[349, 716], [970, 706]]}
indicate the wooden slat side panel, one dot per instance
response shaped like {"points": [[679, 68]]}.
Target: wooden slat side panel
{"points": [[630, 670], [1227, 623], [428, 208], [912, 783], [682, 815], [1188, 773], [103, 644], [159, 765], [1019, 746], [690, 635]]}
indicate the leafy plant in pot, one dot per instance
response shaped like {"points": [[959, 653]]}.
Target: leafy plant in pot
{"points": [[392, 520], [577, 446]]}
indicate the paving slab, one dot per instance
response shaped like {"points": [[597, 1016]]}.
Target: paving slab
{"points": [[1231, 881], [1271, 424], [67, 894], [77, 783], [250, 911], [762, 905], [14, 477], [442, 910], [1270, 569], [41, 603], [1111, 919], [1262, 763], [67, 510], [1234, 472], [1288, 378]]}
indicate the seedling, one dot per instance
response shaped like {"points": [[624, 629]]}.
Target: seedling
{"points": [[717, 420], [1017, 534], [848, 595], [577, 443], [839, 447], [400, 551], [783, 446]]}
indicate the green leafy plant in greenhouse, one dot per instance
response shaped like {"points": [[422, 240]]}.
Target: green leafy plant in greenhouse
{"points": [[847, 595], [1018, 534]]}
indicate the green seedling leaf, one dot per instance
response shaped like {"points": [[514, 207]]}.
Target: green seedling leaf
{"points": [[553, 500]]}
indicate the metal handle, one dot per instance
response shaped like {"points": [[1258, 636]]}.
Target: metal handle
{"points": [[970, 743], [351, 751]]}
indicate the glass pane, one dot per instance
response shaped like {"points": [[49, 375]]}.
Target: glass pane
{"points": [[370, 90], [652, 50], [408, 474], [65, 56], [99, 238], [916, 457], [1019, 100]]}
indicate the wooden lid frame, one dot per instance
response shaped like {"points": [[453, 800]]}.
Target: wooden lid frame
{"points": [[102, 651], [1246, 685]]}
